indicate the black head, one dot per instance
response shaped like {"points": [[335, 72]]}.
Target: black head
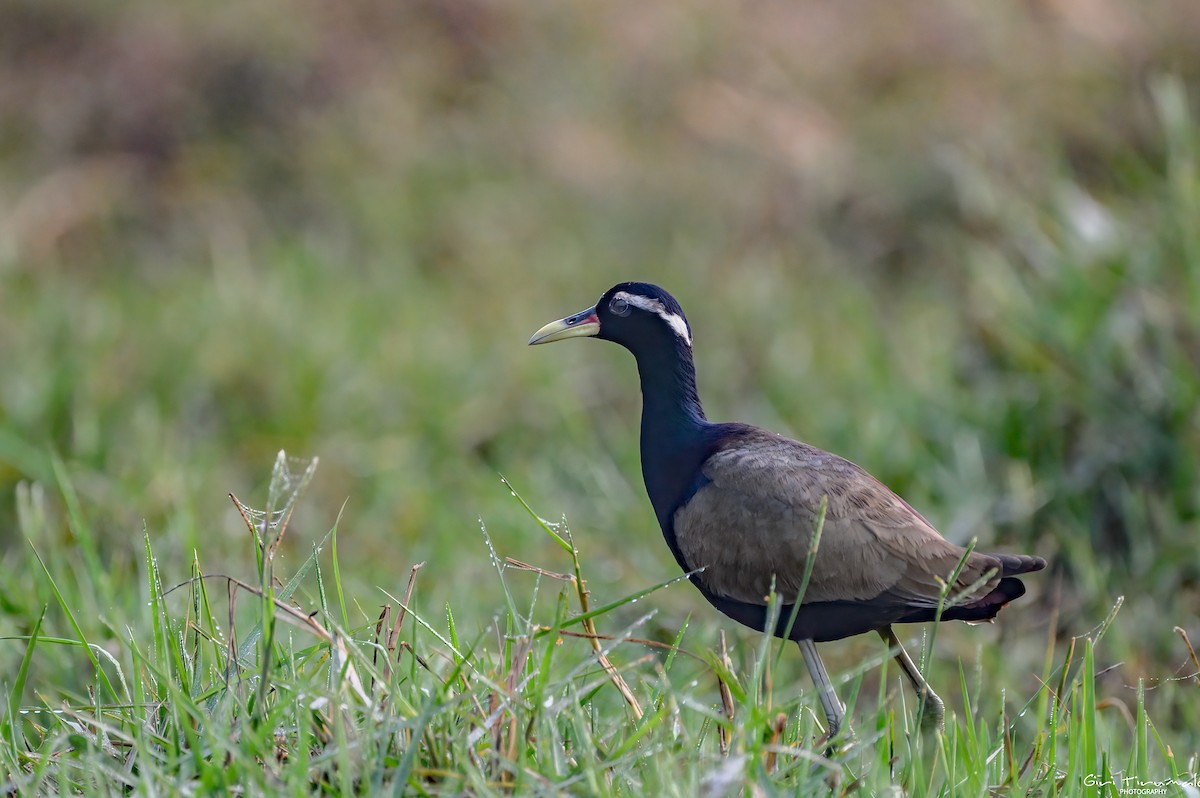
{"points": [[639, 316]]}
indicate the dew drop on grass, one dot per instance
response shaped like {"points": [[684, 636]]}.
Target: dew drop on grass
{"points": [[549, 702], [488, 540]]}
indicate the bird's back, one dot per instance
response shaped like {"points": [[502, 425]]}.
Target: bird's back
{"points": [[753, 518]]}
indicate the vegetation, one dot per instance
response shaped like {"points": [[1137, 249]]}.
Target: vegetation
{"points": [[956, 245]]}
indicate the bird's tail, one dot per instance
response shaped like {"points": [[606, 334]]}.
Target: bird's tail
{"points": [[1013, 564], [986, 608]]}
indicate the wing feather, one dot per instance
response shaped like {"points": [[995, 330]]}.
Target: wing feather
{"points": [[755, 517]]}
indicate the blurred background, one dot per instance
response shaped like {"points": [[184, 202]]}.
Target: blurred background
{"points": [[955, 243]]}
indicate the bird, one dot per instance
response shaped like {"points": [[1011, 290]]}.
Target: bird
{"points": [[739, 508]]}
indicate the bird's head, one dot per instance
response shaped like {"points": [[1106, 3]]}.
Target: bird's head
{"points": [[635, 315]]}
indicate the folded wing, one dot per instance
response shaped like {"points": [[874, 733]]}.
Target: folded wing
{"points": [[754, 516]]}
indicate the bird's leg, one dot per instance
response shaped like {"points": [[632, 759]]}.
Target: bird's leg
{"points": [[932, 708], [835, 713]]}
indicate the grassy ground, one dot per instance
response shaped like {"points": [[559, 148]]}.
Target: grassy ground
{"points": [[226, 234]]}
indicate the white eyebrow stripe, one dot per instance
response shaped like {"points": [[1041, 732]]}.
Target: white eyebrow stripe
{"points": [[656, 306]]}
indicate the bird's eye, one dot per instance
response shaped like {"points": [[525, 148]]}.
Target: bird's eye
{"points": [[619, 306]]}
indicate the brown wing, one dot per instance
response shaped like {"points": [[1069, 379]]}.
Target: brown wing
{"points": [[756, 516]]}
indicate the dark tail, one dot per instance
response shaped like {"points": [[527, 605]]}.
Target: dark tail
{"points": [[1009, 589], [1013, 564], [985, 609]]}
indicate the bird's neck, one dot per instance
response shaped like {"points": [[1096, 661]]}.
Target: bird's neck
{"points": [[670, 402], [673, 427]]}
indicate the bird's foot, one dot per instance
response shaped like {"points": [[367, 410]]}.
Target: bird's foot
{"points": [[834, 747], [837, 740], [932, 712]]}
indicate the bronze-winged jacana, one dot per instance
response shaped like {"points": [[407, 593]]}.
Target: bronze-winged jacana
{"points": [[738, 507]]}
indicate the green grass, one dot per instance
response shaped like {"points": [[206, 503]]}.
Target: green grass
{"points": [[959, 248], [277, 686]]}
